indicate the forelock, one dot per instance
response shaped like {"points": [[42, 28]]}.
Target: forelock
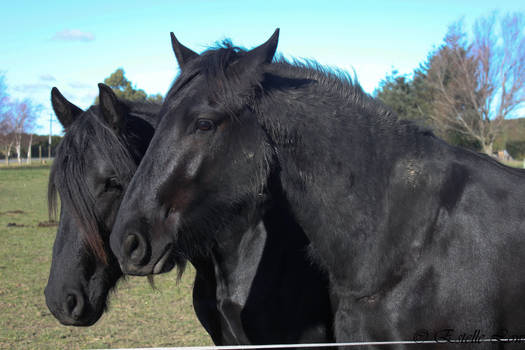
{"points": [[68, 173], [226, 84]]}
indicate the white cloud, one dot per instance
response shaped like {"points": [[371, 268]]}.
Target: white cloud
{"points": [[32, 87], [47, 77], [73, 35], [79, 85]]}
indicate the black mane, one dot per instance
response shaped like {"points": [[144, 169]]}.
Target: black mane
{"points": [[67, 172], [217, 65]]}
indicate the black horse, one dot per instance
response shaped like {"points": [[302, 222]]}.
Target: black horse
{"points": [[253, 308], [414, 233], [94, 163]]}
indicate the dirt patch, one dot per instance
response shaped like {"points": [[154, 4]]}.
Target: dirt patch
{"points": [[47, 223], [12, 212]]}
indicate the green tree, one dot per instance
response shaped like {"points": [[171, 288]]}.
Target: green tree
{"points": [[407, 97], [478, 82], [468, 86], [414, 98], [124, 89]]}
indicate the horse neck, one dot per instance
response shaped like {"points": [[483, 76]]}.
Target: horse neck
{"points": [[333, 155], [316, 129], [138, 134], [236, 256]]}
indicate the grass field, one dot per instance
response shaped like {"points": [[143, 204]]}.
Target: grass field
{"points": [[138, 316], [514, 163]]}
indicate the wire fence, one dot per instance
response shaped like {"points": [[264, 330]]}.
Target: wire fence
{"points": [[333, 345]]}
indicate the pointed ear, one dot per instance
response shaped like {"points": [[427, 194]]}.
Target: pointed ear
{"points": [[113, 111], [182, 53], [65, 111], [260, 55]]}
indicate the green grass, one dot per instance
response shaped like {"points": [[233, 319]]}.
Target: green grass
{"points": [[138, 316], [514, 163], [13, 164]]}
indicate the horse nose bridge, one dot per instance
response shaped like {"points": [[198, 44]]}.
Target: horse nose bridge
{"points": [[115, 238], [127, 217], [142, 190]]}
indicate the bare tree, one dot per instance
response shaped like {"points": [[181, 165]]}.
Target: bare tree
{"points": [[6, 121], [29, 127], [17, 118], [476, 85], [29, 145], [24, 118], [19, 121], [6, 135]]}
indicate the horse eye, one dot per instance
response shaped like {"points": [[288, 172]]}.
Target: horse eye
{"points": [[112, 183], [205, 124]]}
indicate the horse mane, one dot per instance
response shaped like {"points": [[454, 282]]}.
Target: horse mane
{"points": [[67, 176], [231, 88], [335, 81], [225, 81]]}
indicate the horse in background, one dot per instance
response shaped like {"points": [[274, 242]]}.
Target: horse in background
{"points": [[95, 161]]}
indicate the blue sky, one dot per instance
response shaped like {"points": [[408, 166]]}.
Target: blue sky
{"points": [[75, 45]]}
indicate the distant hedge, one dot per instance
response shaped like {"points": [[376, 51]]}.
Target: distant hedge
{"points": [[516, 149]]}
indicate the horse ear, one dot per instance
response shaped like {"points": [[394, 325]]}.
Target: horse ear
{"points": [[65, 111], [260, 55], [182, 53], [113, 111]]}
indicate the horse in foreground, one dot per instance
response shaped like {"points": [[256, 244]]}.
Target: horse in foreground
{"points": [[95, 162], [413, 233]]}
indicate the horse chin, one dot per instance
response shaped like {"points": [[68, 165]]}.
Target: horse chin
{"points": [[100, 286], [89, 316], [168, 260], [86, 321], [164, 264]]}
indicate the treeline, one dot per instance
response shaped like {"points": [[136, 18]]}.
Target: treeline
{"points": [[39, 144], [17, 117], [18, 120], [468, 86], [467, 91]]}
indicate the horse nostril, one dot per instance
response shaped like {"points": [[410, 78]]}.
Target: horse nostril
{"points": [[131, 244], [135, 248], [74, 304], [71, 303]]}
